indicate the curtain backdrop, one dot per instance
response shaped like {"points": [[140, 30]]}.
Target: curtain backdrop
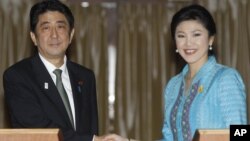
{"points": [[128, 46]]}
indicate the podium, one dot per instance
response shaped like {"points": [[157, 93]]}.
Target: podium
{"points": [[36, 134], [212, 135]]}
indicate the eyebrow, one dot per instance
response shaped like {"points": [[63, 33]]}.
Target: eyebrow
{"points": [[43, 23], [197, 30], [191, 31], [46, 22], [63, 22]]}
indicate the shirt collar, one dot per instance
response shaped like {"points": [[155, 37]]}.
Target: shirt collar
{"points": [[50, 67]]}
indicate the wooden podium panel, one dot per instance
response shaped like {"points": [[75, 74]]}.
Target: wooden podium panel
{"points": [[30, 134], [212, 135]]}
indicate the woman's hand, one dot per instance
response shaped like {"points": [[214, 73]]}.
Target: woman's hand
{"points": [[114, 137]]}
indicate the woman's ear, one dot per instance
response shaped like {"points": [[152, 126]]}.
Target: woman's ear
{"points": [[211, 40]]}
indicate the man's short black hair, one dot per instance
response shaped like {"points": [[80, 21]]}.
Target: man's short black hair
{"points": [[49, 5]]}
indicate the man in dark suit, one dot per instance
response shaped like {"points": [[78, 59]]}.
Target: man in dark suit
{"points": [[36, 96]]}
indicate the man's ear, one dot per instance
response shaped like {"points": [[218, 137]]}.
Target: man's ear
{"points": [[71, 35], [33, 38]]}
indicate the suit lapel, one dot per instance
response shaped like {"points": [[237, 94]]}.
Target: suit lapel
{"points": [[47, 85], [76, 90]]}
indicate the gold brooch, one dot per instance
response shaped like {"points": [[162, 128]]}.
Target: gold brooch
{"points": [[200, 89]]}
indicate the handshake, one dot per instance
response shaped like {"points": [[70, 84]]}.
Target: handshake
{"points": [[111, 137]]}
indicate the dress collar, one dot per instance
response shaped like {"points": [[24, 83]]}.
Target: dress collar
{"points": [[205, 69]]}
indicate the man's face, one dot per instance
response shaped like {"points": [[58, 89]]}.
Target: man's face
{"points": [[52, 35]]}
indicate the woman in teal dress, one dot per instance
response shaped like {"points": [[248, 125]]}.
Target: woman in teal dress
{"points": [[205, 94]]}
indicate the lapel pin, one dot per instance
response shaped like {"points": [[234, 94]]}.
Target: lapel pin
{"points": [[46, 85], [200, 89], [80, 83]]}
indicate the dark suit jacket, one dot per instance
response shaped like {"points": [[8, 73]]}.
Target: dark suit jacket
{"points": [[31, 105]]}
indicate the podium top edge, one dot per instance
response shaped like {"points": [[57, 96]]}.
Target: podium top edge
{"points": [[30, 130]]}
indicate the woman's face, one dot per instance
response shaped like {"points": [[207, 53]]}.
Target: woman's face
{"points": [[192, 41]]}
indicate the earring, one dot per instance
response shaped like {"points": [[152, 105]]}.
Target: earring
{"points": [[177, 51], [210, 47]]}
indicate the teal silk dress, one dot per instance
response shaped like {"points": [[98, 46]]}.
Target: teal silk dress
{"points": [[215, 100]]}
